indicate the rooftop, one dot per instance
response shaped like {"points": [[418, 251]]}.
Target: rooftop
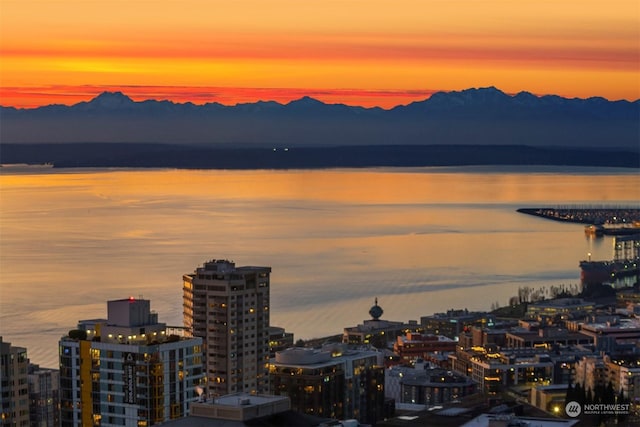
{"points": [[486, 420], [623, 324], [241, 407], [327, 356], [246, 400], [562, 302]]}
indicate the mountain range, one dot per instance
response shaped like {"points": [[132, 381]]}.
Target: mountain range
{"points": [[483, 117]]}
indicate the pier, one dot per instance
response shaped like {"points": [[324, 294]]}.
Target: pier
{"points": [[588, 215], [612, 221]]}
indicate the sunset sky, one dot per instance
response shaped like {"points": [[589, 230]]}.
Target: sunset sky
{"points": [[358, 52]]}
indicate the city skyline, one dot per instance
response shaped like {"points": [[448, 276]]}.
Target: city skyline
{"points": [[158, 148], [373, 53]]}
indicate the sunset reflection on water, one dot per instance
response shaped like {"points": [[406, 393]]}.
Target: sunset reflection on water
{"points": [[419, 240]]}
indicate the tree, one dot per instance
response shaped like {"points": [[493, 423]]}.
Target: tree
{"points": [[609, 394], [622, 400], [570, 396], [589, 396], [579, 394]]}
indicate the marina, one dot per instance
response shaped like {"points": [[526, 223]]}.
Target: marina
{"points": [[603, 221]]}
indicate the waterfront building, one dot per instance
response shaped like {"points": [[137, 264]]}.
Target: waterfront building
{"points": [[337, 381], [279, 340], [563, 307], [376, 331], [228, 307], [414, 346], [14, 387], [126, 370], [44, 396]]}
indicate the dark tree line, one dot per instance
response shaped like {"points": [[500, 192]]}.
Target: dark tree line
{"points": [[601, 394]]}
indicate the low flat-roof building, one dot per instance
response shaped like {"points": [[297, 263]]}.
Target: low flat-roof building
{"points": [[545, 338], [550, 398], [244, 409], [559, 306], [479, 336], [241, 406], [615, 336], [495, 370], [451, 323], [414, 346]]}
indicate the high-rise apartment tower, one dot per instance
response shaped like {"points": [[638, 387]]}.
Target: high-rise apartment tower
{"points": [[228, 307]]}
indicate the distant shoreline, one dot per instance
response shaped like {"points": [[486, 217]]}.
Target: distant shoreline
{"points": [[183, 156]]}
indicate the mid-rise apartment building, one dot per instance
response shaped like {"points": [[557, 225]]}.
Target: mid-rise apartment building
{"points": [[126, 370]]}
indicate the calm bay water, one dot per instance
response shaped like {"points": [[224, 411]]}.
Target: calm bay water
{"points": [[421, 240]]}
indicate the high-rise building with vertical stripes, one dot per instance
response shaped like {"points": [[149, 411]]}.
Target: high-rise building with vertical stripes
{"points": [[126, 370], [228, 307]]}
